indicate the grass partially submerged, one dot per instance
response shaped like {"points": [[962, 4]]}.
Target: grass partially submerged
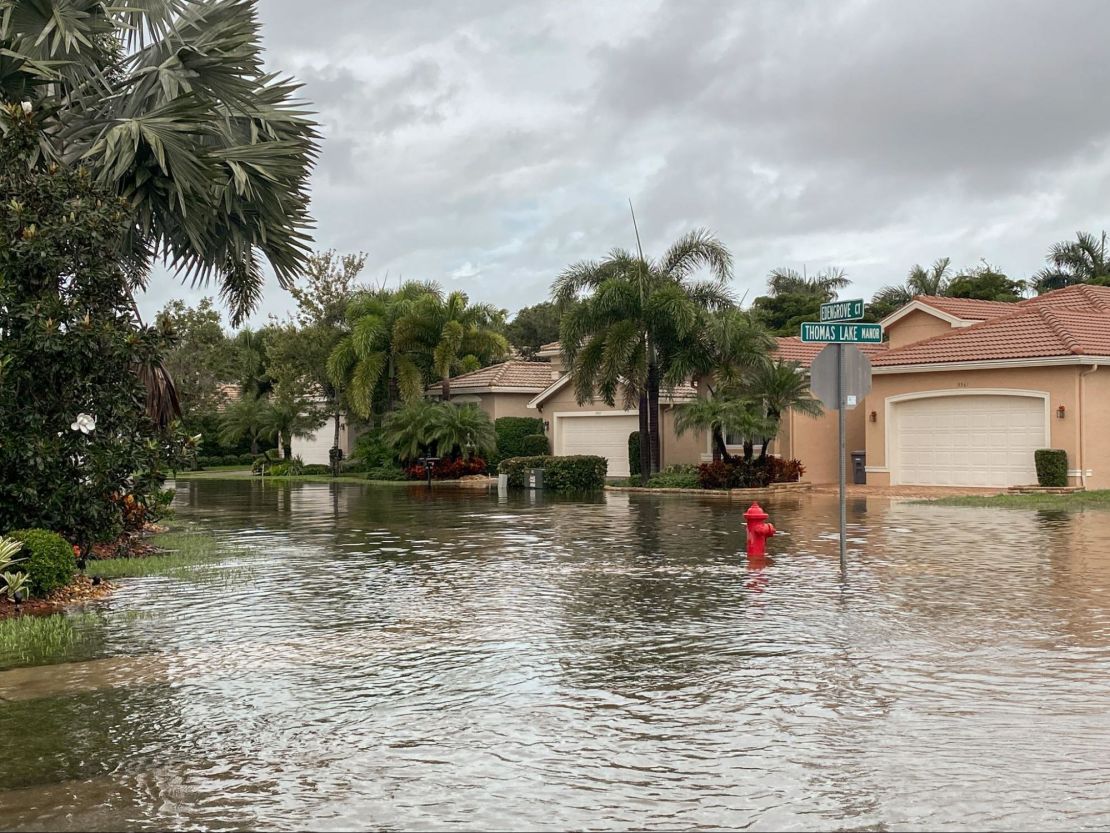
{"points": [[243, 474], [183, 554], [33, 640], [1075, 500]]}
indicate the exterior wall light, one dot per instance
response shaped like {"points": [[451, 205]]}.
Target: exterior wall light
{"points": [[1060, 412], [546, 425], [874, 416]]}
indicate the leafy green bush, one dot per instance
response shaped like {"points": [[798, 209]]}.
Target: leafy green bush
{"points": [[371, 451], [511, 434], [50, 562], [673, 477], [535, 445], [576, 473], [316, 468], [634, 454], [1052, 466], [386, 473]]}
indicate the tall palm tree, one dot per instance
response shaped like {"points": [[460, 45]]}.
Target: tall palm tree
{"points": [[452, 334], [253, 360], [168, 103], [462, 431], [781, 386], [368, 357], [634, 315], [1083, 260]]}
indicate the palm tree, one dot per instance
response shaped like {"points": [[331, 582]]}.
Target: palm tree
{"points": [[369, 352], [823, 284], [253, 360], [1083, 260], [246, 418], [408, 430], [730, 344], [781, 386], [169, 105], [633, 316], [462, 431], [451, 333], [720, 416], [285, 417], [920, 281]]}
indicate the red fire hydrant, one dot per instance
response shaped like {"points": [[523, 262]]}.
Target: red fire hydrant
{"points": [[758, 530]]}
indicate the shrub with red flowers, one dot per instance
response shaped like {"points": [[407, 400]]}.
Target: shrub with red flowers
{"points": [[448, 469]]}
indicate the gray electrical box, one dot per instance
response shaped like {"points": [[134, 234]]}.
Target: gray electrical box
{"points": [[859, 467], [535, 479]]}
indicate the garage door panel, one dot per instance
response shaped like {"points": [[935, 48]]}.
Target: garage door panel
{"points": [[605, 436], [973, 440]]}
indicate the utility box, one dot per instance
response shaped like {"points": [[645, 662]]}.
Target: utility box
{"points": [[535, 479], [859, 467]]}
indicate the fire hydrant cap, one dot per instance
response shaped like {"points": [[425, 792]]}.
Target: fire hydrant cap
{"points": [[755, 513]]}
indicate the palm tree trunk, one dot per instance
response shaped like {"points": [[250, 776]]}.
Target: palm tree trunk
{"points": [[335, 443], [446, 388], [749, 450], [287, 447], [653, 414], [391, 386], [645, 451], [254, 445], [720, 449]]}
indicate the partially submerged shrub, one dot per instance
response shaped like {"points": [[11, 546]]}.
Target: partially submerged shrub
{"points": [[634, 454], [575, 473], [748, 475], [50, 563], [1052, 466], [448, 469]]}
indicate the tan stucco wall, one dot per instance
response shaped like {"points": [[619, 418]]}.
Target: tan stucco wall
{"points": [[1060, 383], [814, 441], [1096, 437], [497, 405], [915, 326], [676, 450]]}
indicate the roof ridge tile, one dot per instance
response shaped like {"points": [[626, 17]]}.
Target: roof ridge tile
{"points": [[1051, 318]]}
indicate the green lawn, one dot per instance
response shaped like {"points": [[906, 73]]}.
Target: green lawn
{"points": [[1075, 500], [183, 551]]}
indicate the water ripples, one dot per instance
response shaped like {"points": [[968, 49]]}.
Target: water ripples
{"points": [[398, 659]]}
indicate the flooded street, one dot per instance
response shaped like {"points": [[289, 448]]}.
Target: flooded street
{"points": [[385, 657]]}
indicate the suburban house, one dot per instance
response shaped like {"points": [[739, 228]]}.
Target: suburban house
{"points": [[963, 392]]}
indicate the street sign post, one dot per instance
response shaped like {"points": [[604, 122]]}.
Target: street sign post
{"points": [[842, 310], [831, 332], [840, 376]]}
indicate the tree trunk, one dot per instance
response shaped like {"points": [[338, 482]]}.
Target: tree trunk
{"points": [[653, 415], [749, 450], [254, 445], [446, 388], [645, 451], [335, 443], [287, 447], [720, 449], [390, 386]]}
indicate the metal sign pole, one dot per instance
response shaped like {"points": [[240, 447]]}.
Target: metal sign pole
{"points": [[841, 402]]}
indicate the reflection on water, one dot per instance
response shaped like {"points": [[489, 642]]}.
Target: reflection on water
{"points": [[397, 658]]}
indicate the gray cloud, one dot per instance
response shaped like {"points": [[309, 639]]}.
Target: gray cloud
{"points": [[489, 144]]}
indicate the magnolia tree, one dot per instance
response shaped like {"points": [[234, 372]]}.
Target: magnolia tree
{"points": [[76, 440]]}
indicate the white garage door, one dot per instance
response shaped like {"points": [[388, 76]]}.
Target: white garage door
{"points": [[605, 436], [974, 440]]}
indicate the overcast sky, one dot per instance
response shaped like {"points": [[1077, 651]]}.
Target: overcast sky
{"points": [[487, 144]]}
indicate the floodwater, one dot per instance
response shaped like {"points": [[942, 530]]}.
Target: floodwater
{"points": [[397, 659]]}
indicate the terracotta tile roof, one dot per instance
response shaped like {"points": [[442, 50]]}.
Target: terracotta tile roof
{"points": [[552, 345], [968, 309], [793, 349], [535, 376], [1080, 297], [1031, 331]]}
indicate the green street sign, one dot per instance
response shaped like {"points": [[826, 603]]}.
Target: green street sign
{"points": [[842, 333], [842, 310]]}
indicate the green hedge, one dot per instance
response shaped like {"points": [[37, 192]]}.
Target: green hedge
{"points": [[1052, 466], [576, 473], [535, 445], [512, 433], [50, 561], [634, 454]]}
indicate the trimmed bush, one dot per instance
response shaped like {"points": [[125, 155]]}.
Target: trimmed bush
{"points": [[50, 562], [753, 475], [674, 477], [386, 473], [316, 468], [634, 454], [511, 434], [576, 473], [535, 445], [1052, 466]]}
